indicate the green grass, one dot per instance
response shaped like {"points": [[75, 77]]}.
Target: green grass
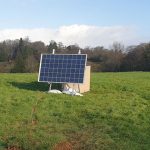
{"points": [[115, 114]]}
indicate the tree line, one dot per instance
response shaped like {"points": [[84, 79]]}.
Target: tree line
{"points": [[22, 55]]}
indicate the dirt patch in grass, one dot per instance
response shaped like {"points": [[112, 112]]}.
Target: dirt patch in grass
{"points": [[90, 140], [13, 148], [63, 146]]}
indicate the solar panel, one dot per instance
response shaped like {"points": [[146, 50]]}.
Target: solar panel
{"points": [[62, 68]]}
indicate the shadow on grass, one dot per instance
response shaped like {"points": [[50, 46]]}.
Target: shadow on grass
{"points": [[32, 86], [35, 86]]}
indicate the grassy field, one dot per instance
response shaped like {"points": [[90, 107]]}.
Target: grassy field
{"points": [[114, 115]]}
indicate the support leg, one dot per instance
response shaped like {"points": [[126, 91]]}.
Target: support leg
{"points": [[50, 86], [79, 88]]}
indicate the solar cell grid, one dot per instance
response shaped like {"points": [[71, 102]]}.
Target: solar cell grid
{"points": [[62, 68]]}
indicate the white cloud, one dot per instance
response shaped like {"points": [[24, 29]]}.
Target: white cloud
{"points": [[84, 35]]}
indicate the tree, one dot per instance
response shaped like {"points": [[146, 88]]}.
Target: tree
{"points": [[112, 59], [51, 46], [21, 55], [31, 64], [3, 52], [116, 46], [146, 57], [73, 49]]}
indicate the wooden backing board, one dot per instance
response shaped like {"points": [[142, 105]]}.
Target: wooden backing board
{"points": [[85, 87]]}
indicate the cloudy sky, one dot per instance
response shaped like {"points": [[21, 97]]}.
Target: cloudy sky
{"points": [[84, 22]]}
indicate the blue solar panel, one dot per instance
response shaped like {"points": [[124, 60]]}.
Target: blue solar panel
{"points": [[62, 68]]}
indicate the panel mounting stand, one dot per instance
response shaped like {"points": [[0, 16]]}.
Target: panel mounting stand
{"points": [[79, 52], [53, 51], [50, 86]]}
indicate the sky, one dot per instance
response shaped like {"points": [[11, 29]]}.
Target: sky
{"points": [[83, 22]]}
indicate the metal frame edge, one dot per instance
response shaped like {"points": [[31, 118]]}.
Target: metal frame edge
{"points": [[40, 68], [84, 69]]}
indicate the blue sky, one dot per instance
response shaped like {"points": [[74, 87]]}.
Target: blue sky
{"points": [[52, 15]]}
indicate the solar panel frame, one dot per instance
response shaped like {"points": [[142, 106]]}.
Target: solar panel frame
{"points": [[66, 68]]}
